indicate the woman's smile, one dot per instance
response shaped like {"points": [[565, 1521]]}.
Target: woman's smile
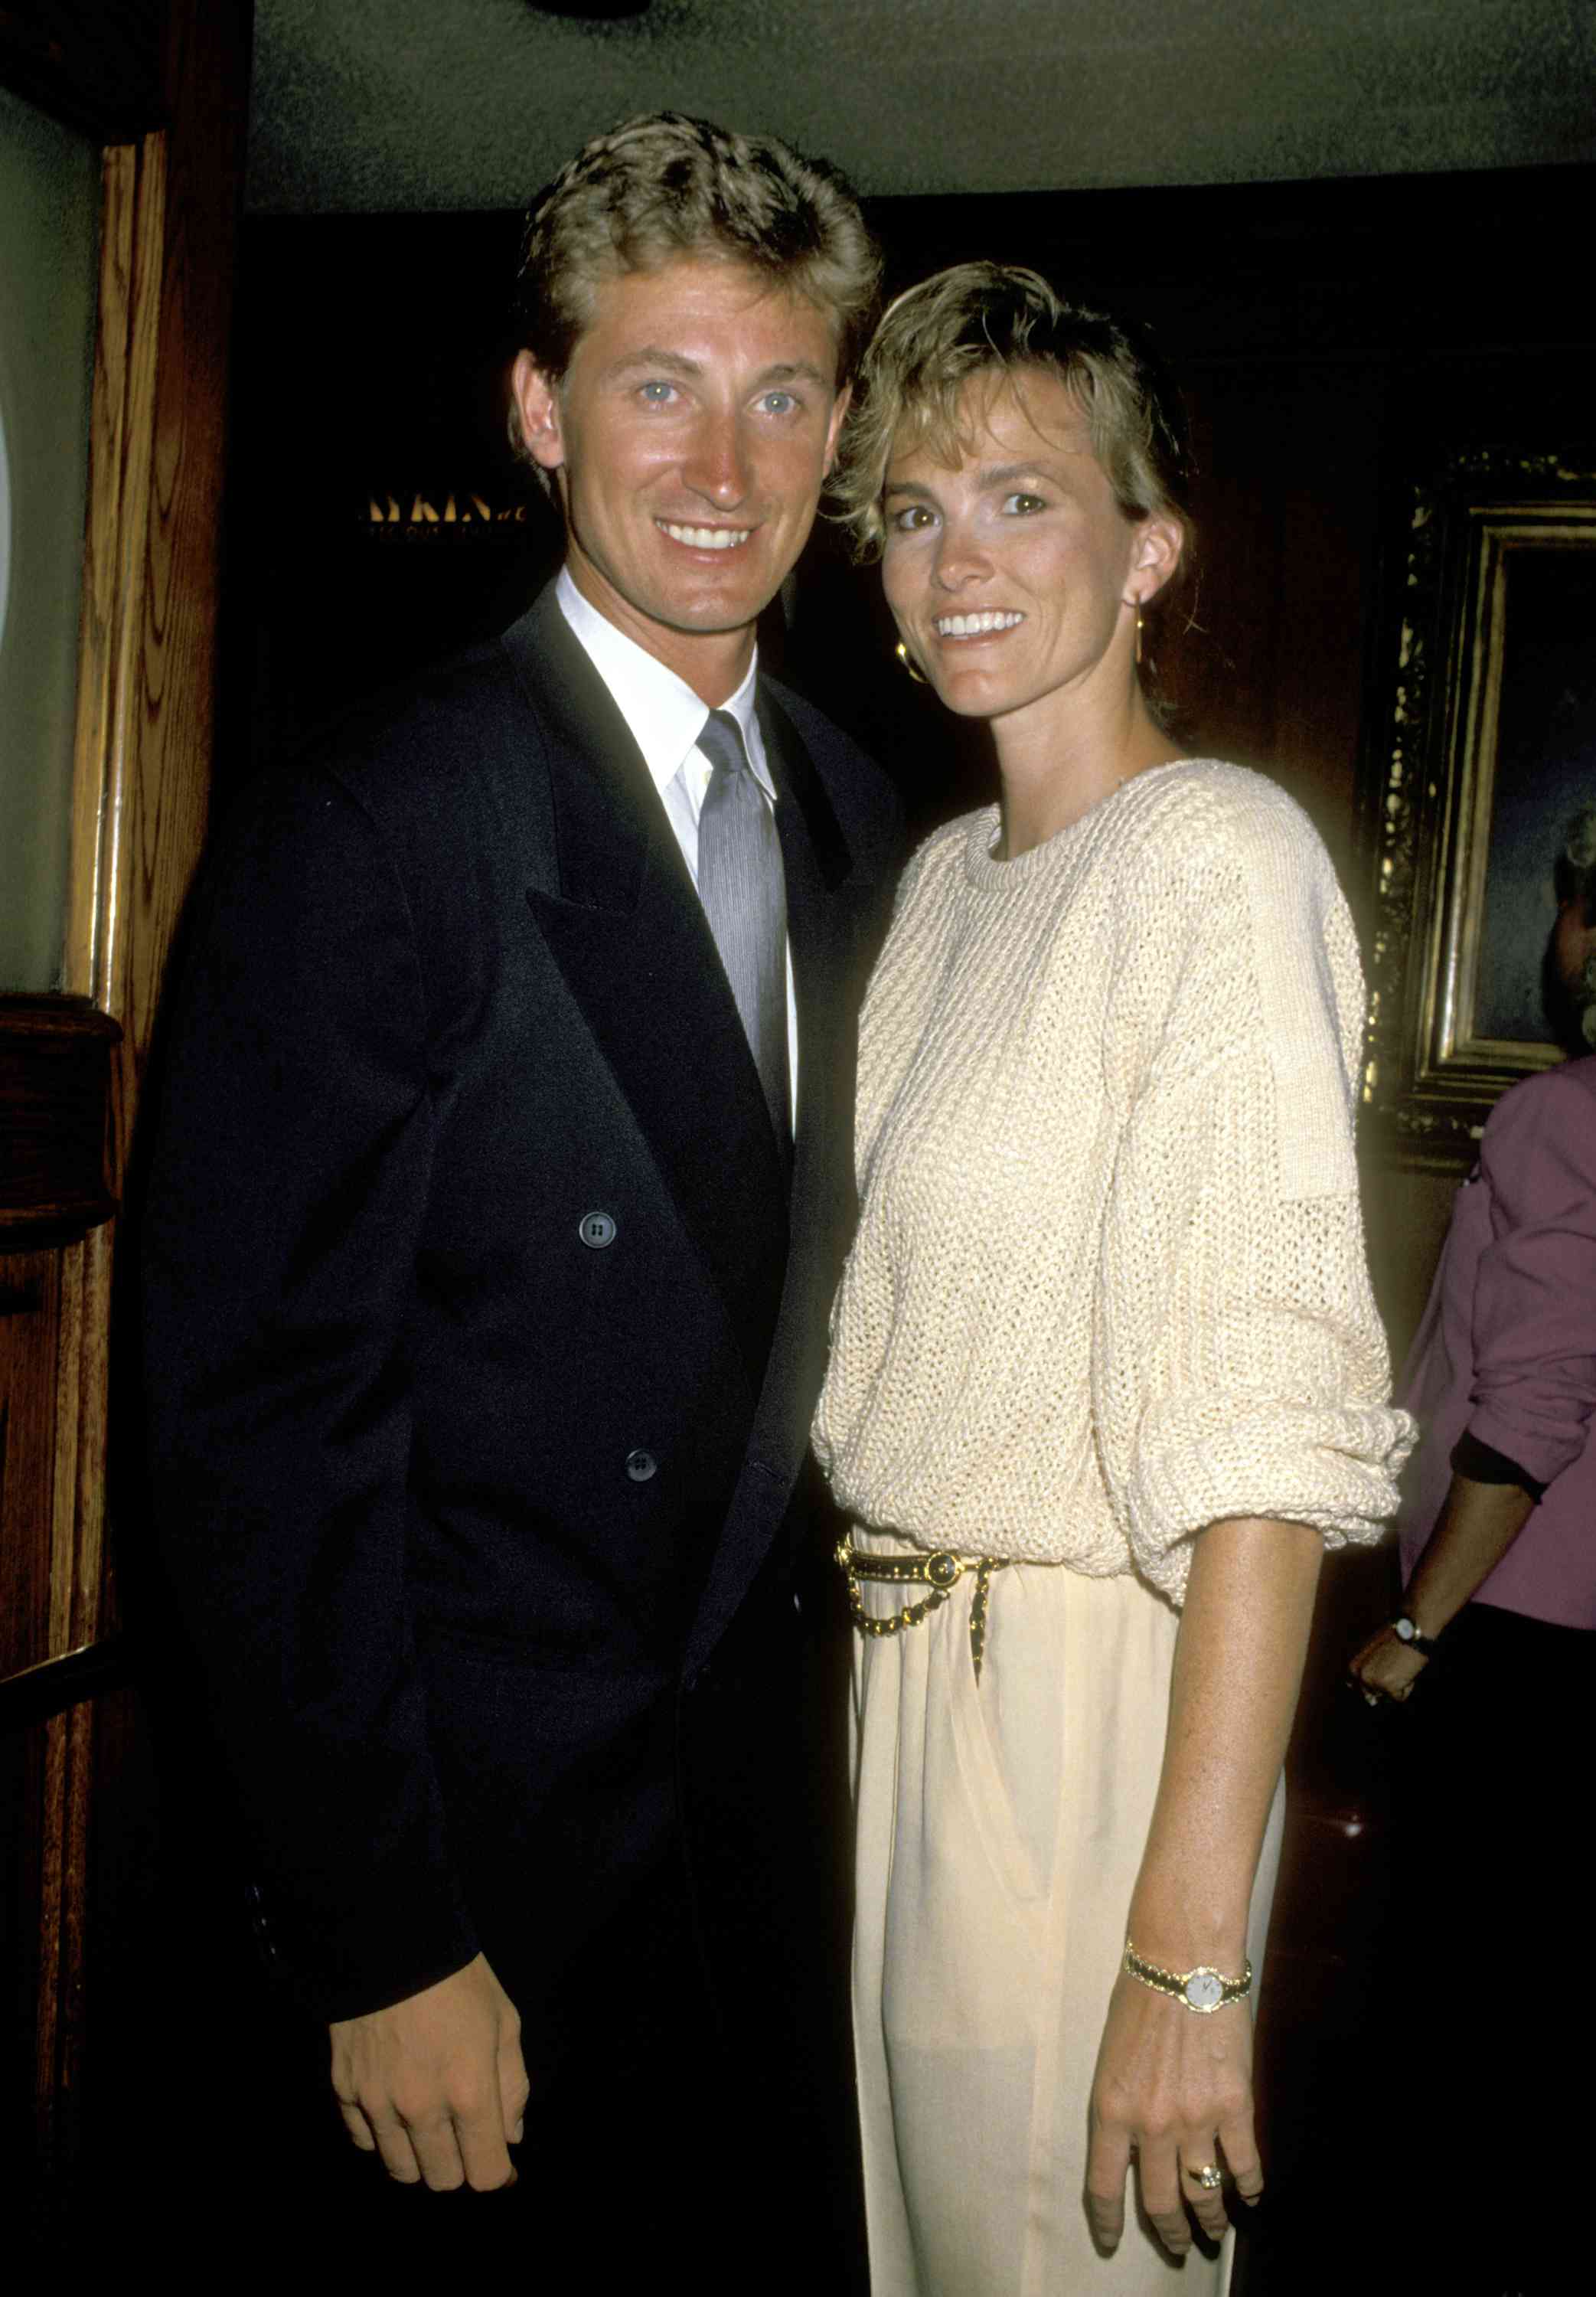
{"points": [[990, 623]]}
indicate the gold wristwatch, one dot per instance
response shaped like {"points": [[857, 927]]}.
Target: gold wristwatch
{"points": [[1201, 1989]]}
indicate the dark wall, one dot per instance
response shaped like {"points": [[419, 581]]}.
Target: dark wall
{"points": [[368, 365]]}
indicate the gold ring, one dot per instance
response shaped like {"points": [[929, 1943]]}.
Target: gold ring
{"points": [[1210, 2177]]}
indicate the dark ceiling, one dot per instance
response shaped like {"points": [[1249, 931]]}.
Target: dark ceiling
{"points": [[412, 105]]}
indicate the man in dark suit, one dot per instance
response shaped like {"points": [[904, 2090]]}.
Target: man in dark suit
{"points": [[503, 1181]]}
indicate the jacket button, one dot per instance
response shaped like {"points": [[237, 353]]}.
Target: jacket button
{"points": [[596, 1230], [640, 1466]]}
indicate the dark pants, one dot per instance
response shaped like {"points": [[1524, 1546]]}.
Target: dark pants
{"points": [[1486, 2049]]}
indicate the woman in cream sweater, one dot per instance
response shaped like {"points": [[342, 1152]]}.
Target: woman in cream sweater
{"points": [[1106, 1376]]}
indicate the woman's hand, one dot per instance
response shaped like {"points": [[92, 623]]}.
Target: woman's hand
{"points": [[1175, 2087], [1386, 1667], [1172, 2082]]}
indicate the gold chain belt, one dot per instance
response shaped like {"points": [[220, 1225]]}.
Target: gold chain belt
{"points": [[941, 1572]]}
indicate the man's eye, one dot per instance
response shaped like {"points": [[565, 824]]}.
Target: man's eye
{"points": [[780, 402], [1023, 506], [657, 394]]}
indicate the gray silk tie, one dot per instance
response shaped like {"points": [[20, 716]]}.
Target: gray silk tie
{"points": [[744, 894]]}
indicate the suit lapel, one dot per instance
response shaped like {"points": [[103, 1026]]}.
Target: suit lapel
{"points": [[625, 927], [826, 906]]}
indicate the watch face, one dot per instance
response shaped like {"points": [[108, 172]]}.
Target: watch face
{"points": [[1205, 1989], [1405, 1629]]}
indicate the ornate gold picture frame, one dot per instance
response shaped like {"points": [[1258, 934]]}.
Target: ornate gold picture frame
{"points": [[1483, 744]]}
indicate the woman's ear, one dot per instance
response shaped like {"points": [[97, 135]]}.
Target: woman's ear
{"points": [[1160, 539]]}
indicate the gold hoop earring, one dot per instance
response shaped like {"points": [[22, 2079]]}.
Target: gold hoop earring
{"points": [[910, 664]]}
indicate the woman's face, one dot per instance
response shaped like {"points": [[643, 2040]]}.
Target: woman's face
{"points": [[1016, 578]]}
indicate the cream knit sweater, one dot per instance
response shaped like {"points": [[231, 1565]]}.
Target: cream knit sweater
{"points": [[1109, 1283]]}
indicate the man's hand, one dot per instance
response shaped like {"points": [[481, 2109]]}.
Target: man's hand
{"points": [[436, 2083]]}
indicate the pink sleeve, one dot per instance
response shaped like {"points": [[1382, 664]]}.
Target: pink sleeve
{"points": [[1534, 1299]]}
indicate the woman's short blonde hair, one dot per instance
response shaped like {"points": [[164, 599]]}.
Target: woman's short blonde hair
{"points": [[999, 319]]}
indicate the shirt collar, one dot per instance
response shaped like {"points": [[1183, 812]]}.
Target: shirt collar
{"points": [[663, 713]]}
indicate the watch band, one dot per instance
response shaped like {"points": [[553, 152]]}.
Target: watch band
{"points": [[1202, 1989], [1405, 1631]]}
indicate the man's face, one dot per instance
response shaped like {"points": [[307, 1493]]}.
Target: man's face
{"points": [[691, 432]]}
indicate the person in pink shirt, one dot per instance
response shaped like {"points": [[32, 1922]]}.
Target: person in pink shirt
{"points": [[1495, 1649], [1502, 1374]]}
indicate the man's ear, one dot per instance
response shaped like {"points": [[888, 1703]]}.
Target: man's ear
{"points": [[1159, 542], [538, 404]]}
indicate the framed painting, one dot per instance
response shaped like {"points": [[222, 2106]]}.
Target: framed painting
{"points": [[1483, 747]]}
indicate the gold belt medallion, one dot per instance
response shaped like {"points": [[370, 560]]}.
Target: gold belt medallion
{"points": [[939, 1571]]}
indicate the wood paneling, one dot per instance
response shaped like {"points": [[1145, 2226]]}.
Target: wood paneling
{"points": [[121, 425], [1286, 536], [29, 1339]]}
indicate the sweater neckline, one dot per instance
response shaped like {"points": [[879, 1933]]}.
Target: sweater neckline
{"points": [[983, 866]]}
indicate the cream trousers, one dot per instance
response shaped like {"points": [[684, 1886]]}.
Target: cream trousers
{"points": [[1000, 1825]]}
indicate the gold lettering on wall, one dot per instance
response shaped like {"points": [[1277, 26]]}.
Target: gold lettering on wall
{"points": [[394, 514]]}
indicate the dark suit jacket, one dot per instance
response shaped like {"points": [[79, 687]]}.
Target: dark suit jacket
{"points": [[460, 1488]]}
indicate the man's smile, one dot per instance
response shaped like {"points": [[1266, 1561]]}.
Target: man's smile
{"points": [[705, 538]]}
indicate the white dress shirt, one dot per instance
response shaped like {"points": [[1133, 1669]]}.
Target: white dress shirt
{"points": [[665, 718]]}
